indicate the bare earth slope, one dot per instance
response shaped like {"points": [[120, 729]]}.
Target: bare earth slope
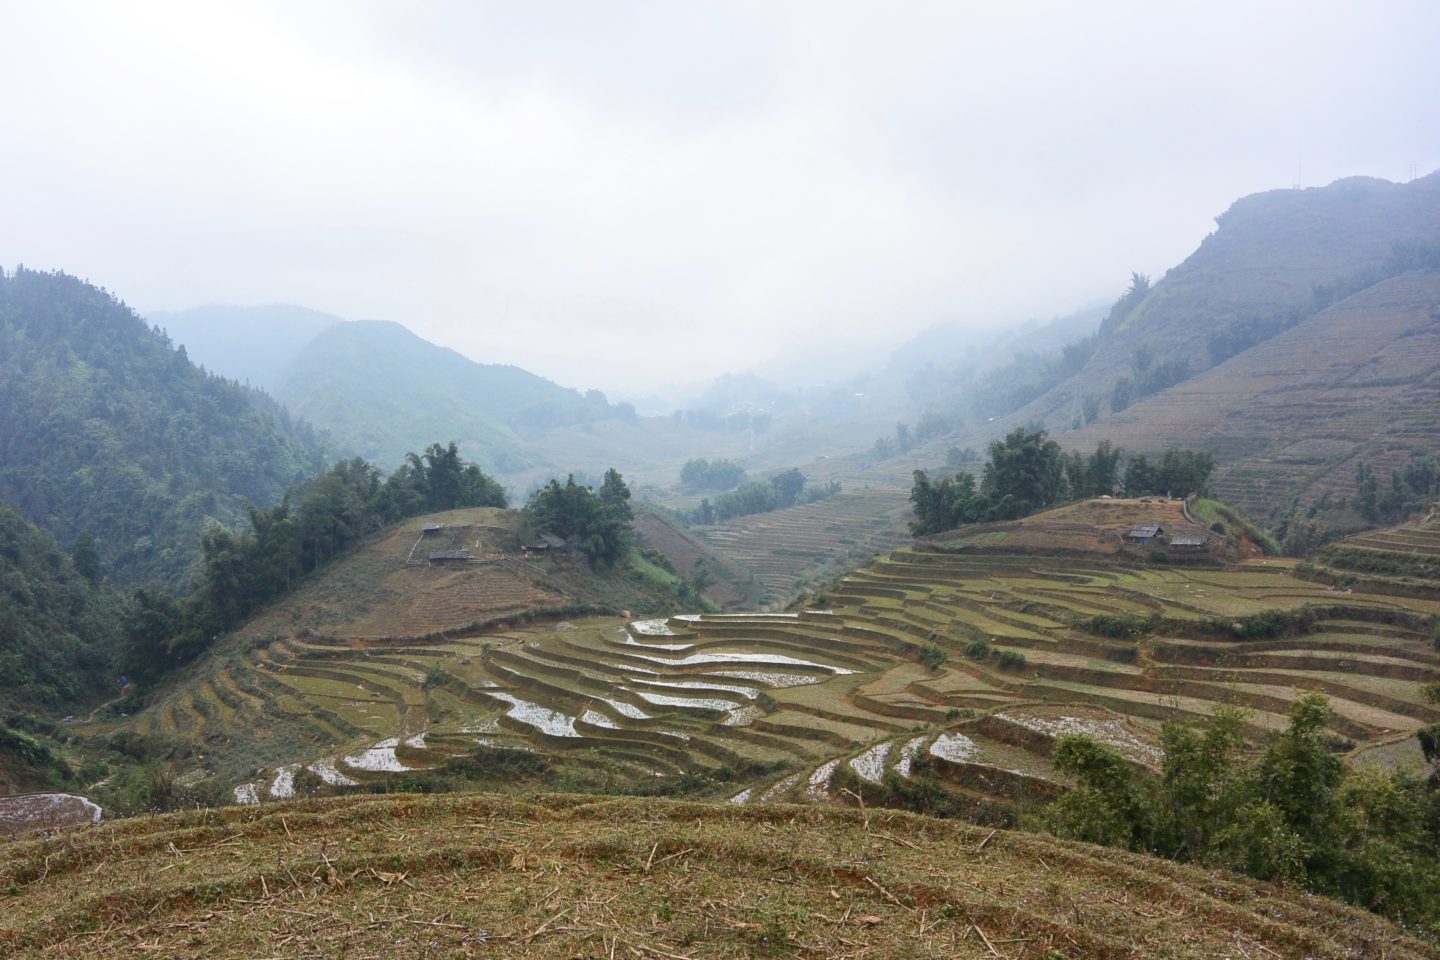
{"points": [[1359, 381], [571, 876]]}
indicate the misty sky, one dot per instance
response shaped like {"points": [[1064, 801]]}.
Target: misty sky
{"points": [[608, 193]]}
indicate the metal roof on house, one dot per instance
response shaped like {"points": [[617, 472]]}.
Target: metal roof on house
{"points": [[1187, 540], [1144, 531]]}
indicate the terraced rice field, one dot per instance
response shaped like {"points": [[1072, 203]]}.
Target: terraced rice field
{"points": [[774, 706], [1407, 546], [789, 550]]}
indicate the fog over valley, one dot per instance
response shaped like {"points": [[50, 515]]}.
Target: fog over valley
{"points": [[549, 185]]}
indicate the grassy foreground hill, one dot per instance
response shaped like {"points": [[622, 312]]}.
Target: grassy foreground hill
{"points": [[569, 876]]}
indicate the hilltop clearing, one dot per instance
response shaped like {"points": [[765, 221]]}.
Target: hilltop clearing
{"points": [[566, 876]]}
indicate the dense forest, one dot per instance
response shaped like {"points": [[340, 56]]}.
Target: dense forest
{"points": [[108, 430], [57, 621]]}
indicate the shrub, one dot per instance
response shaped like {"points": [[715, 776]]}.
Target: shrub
{"points": [[1121, 626], [1010, 660], [933, 657], [978, 649]]}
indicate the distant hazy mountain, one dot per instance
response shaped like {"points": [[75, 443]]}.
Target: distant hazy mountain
{"points": [[108, 429], [249, 344], [382, 391]]}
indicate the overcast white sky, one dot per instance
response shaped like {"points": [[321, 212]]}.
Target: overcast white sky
{"points": [[593, 190]]}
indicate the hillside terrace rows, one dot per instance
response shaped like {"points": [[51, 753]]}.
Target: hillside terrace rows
{"points": [[778, 704], [786, 549]]}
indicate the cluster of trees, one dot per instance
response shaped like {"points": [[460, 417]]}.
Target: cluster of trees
{"points": [[1027, 471], [1149, 377], [1178, 473], [702, 474], [931, 425], [785, 489], [1411, 488], [314, 523], [598, 524], [715, 422], [111, 431], [1292, 812]]}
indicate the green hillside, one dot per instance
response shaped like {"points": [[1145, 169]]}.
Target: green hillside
{"points": [[380, 390], [59, 637], [108, 429]]}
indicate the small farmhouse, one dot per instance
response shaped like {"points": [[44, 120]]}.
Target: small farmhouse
{"points": [[1143, 533], [441, 558], [546, 543], [1188, 541], [431, 529]]}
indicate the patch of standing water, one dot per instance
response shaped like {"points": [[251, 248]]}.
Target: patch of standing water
{"points": [[743, 717], [632, 642], [908, 754], [749, 693], [707, 703], [247, 793], [770, 677], [627, 709], [818, 786], [1111, 732], [870, 765], [653, 628], [283, 788], [777, 658], [955, 747], [417, 741], [548, 721], [488, 725], [325, 770], [598, 720], [379, 758], [743, 796]]}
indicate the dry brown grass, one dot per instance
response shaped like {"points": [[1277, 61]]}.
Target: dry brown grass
{"points": [[568, 876]]}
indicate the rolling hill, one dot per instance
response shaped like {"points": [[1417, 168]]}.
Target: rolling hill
{"points": [[569, 876], [377, 387]]}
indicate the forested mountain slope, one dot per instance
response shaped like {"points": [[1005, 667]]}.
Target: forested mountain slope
{"points": [[107, 429], [57, 625], [381, 390]]}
